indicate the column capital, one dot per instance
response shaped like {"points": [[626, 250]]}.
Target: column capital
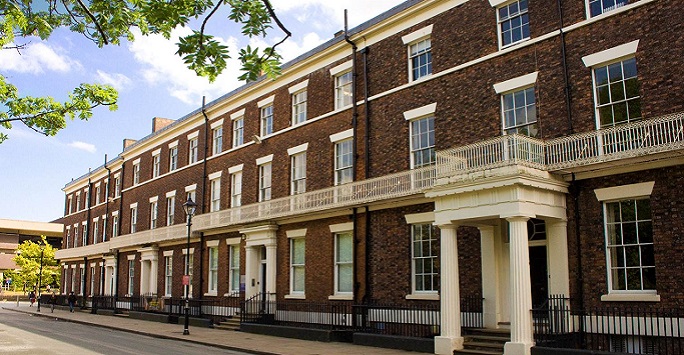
{"points": [[518, 218], [453, 226]]}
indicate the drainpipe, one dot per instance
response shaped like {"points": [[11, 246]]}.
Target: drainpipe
{"points": [[90, 196], [206, 153], [366, 138], [106, 220], [355, 116], [85, 278], [121, 189], [568, 98], [116, 278], [575, 192], [201, 273]]}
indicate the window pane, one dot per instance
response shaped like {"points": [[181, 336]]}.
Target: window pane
{"points": [[345, 278]]}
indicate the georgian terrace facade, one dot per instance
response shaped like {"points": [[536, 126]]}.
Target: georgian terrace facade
{"points": [[448, 149]]}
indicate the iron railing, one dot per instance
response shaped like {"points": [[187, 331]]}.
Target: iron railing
{"points": [[637, 330], [414, 320]]}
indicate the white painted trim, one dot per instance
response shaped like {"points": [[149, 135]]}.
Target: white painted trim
{"points": [[623, 50], [233, 241], [298, 87], [423, 296], [295, 296], [97, 184], [342, 227], [156, 152], [416, 35], [341, 68], [212, 243], [625, 191], [168, 253], [342, 297], [192, 187], [237, 114], [298, 149], [84, 223], [215, 175], [193, 135], [131, 257], [264, 159], [497, 3], [173, 144], [266, 101], [171, 194], [115, 213], [96, 219], [73, 266], [630, 297], [216, 124], [134, 205], [154, 199], [415, 218], [185, 251], [341, 135], [296, 233], [136, 161], [420, 112], [516, 83], [236, 168]]}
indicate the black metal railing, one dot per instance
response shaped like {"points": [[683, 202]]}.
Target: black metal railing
{"points": [[472, 312], [638, 330], [414, 320]]}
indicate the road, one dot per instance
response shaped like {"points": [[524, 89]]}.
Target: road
{"points": [[27, 334]]}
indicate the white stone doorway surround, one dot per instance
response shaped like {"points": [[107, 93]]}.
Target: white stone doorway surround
{"points": [[499, 203], [256, 239]]}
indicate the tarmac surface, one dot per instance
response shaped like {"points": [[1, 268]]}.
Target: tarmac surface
{"points": [[224, 339]]}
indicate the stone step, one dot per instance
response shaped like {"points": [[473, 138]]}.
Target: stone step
{"points": [[484, 345], [476, 352]]}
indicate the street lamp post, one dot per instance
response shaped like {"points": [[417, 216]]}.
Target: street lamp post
{"points": [[189, 206], [40, 274]]}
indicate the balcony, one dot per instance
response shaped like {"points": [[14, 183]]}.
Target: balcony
{"points": [[644, 141]]}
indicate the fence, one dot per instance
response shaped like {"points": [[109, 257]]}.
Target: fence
{"points": [[624, 330]]}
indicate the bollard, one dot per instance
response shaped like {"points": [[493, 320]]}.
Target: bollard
{"points": [[17, 300]]}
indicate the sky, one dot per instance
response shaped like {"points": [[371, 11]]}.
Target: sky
{"points": [[152, 82]]}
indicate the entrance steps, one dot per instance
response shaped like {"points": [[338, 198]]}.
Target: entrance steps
{"points": [[484, 342], [230, 323]]}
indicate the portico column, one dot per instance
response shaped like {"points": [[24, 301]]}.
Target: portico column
{"points": [[521, 293], [490, 257], [154, 267], [144, 276], [450, 338], [559, 274], [251, 270], [271, 268]]}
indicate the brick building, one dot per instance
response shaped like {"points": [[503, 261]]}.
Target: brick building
{"points": [[495, 150]]}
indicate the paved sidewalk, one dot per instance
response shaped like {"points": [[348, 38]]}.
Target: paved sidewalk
{"points": [[232, 340]]}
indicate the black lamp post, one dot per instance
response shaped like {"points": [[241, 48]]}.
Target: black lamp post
{"points": [[40, 274], [189, 207]]}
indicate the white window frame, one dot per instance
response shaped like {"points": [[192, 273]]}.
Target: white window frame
{"points": [[236, 189], [603, 9], [193, 150], [84, 234], [136, 172], [92, 280], [156, 165], [299, 107], [217, 138], [343, 263], [297, 236], [173, 158], [343, 89], [189, 259], [499, 22], [134, 217], [170, 209], [131, 275], [632, 192], [154, 213], [234, 268], [412, 40], [212, 272], [117, 185], [434, 275], [265, 179], [168, 274], [344, 173], [215, 191], [115, 225], [97, 194], [298, 173]]}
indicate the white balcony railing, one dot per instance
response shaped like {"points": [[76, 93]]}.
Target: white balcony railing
{"points": [[386, 187]]}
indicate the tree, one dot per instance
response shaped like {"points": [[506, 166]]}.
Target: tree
{"points": [[28, 260], [107, 22]]}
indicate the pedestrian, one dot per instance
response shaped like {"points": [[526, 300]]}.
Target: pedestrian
{"points": [[72, 301], [53, 300], [32, 298]]}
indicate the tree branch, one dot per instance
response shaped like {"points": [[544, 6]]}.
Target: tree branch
{"points": [[92, 17], [282, 27], [204, 23]]}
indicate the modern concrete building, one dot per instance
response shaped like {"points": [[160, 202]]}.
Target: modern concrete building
{"points": [[519, 154], [13, 233]]}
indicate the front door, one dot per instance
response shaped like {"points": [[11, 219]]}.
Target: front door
{"points": [[539, 275]]}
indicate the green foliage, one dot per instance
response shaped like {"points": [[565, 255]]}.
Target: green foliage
{"points": [[108, 22], [28, 260]]}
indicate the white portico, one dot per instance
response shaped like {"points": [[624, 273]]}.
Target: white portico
{"points": [[260, 260], [502, 203]]}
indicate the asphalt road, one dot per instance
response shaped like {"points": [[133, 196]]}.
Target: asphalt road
{"points": [[27, 334]]}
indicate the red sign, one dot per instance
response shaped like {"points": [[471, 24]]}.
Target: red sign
{"points": [[186, 280]]}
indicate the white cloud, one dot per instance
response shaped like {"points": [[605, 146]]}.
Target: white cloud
{"points": [[326, 14], [90, 148], [117, 80], [36, 59], [162, 67]]}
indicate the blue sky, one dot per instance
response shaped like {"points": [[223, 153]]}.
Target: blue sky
{"points": [[152, 82]]}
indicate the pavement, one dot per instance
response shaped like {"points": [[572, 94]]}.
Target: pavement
{"points": [[224, 339]]}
